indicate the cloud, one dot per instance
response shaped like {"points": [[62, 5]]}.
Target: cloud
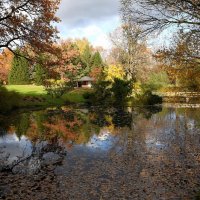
{"points": [[81, 12], [97, 34], [93, 19]]}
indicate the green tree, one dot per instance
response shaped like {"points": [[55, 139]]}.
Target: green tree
{"points": [[121, 91], [19, 74], [39, 75], [157, 80], [101, 95], [86, 59], [97, 60]]}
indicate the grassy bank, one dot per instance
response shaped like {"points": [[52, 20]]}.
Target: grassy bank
{"points": [[31, 96], [26, 90]]}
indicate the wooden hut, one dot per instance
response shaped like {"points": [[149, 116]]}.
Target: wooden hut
{"points": [[85, 82]]}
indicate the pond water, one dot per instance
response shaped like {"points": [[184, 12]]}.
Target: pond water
{"points": [[68, 153]]}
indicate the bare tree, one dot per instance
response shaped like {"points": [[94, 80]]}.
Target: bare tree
{"points": [[131, 53], [130, 33], [158, 15], [129, 50]]}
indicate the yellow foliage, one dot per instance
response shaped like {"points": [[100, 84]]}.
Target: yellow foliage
{"points": [[57, 82], [114, 71], [82, 43], [137, 89]]}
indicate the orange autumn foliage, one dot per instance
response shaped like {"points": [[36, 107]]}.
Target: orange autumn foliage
{"points": [[6, 58], [28, 22]]}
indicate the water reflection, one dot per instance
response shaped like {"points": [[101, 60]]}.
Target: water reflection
{"points": [[149, 146], [97, 127]]}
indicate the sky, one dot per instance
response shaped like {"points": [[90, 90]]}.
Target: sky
{"points": [[93, 19]]}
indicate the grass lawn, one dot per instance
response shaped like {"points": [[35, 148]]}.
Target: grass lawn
{"points": [[33, 95], [26, 90]]}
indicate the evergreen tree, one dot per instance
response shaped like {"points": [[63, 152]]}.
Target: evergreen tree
{"points": [[86, 59], [97, 60], [19, 74], [39, 74]]}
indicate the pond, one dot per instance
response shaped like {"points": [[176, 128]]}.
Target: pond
{"points": [[96, 153]]}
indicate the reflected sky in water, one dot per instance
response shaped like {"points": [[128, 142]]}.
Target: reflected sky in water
{"points": [[152, 149], [99, 131]]}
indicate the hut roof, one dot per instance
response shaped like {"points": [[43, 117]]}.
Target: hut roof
{"points": [[86, 78]]}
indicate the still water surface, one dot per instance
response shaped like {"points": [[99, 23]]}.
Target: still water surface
{"points": [[143, 153]]}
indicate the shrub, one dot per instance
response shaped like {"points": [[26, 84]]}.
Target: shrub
{"points": [[157, 81], [88, 96], [121, 90], [107, 93], [101, 95], [56, 88], [146, 97]]}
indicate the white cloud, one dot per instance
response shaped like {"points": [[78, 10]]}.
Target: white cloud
{"points": [[95, 35], [81, 12], [88, 18]]}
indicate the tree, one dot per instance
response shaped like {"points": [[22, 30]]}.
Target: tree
{"points": [[97, 60], [90, 59], [121, 90], [130, 32], [182, 69], [130, 52], [68, 61], [6, 58], [28, 22], [66, 69], [161, 14], [101, 95], [113, 72], [96, 70], [39, 75], [19, 74], [154, 16], [96, 73], [82, 44], [86, 59]]}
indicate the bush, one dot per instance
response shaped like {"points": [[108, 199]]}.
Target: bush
{"points": [[89, 96], [8, 100], [146, 97], [143, 95], [101, 95], [157, 81], [121, 90], [189, 83], [110, 94], [56, 88]]}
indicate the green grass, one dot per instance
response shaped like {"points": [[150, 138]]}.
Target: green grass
{"points": [[37, 96], [31, 90]]}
